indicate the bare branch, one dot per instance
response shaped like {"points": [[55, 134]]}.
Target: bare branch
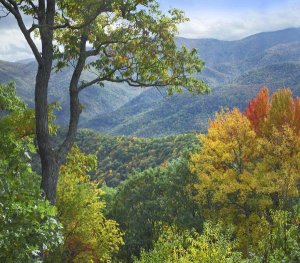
{"points": [[33, 27]]}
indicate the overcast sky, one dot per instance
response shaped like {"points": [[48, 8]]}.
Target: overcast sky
{"points": [[220, 19]]}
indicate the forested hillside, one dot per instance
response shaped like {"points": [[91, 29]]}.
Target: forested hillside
{"points": [[118, 145], [119, 156], [242, 185], [97, 100], [235, 71], [231, 195]]}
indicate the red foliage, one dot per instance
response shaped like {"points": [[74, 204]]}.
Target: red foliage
{"points": [[281, 110], [258, 109]]}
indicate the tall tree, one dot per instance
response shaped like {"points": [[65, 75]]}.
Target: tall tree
{"points": [[128, 41]]}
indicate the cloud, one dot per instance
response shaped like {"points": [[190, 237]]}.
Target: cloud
{"points": [[10, 22], [234, 25], [206, 22], [13, 45]]}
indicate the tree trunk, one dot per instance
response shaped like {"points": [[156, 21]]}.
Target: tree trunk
{"points": [[50, 172], [50, 168], [48, 158]]}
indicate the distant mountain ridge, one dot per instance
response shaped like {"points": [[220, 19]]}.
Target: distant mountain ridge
{"points": [[234, 69], [96, 100]]}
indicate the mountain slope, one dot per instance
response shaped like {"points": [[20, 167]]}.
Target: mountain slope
{"points": [[96, 100], [120, 156], [234, 69]]}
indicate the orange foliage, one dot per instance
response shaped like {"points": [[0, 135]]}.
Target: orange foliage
{"points": [[249, 163], [76, 247], [279, 111], [258, 109]]}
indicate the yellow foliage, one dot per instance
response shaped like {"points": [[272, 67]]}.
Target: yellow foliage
{"points": [[279, 170], [89, 236], [227, 158], [243, 175]]}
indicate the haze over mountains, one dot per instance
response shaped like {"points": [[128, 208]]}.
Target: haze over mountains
{"points": [[235, 71]]}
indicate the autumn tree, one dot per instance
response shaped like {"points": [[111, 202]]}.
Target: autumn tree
{"points": [[258, 109], [227, 188], [122, 41], [284, 111], [88, 235], [279, 139], [278, 111], [249, 164]]}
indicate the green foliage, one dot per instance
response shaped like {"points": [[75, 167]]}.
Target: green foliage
{"points": [[282, 242], [121, 156], [155, 195], [133, 42], [213, 246], [28, 224], [9, 100], [88, 235]]}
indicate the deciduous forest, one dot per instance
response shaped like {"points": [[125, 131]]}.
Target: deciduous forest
{"points": [[228, 192]]}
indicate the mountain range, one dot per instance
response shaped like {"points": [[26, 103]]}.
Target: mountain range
{"points": [[235, 70]]}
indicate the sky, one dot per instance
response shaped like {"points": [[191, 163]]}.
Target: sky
{"points": [[220, 19], [235, 19]]}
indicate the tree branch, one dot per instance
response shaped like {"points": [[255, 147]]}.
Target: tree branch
{"points": [[131, 82], [33, 6], [86, 23], [32, 28], [75, 107], [5, 13]]}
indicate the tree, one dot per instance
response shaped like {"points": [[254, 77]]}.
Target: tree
{"points": [[282, 242], [283, 112], [228, 188], [249, 163], [212, 246], [28, 224], [88, 235], [278, 111], [155, 195], [123, 41], [258, 109]]}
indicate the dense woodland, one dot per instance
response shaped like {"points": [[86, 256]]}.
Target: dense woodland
{"points": [[121, 156], [230, 193]]}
